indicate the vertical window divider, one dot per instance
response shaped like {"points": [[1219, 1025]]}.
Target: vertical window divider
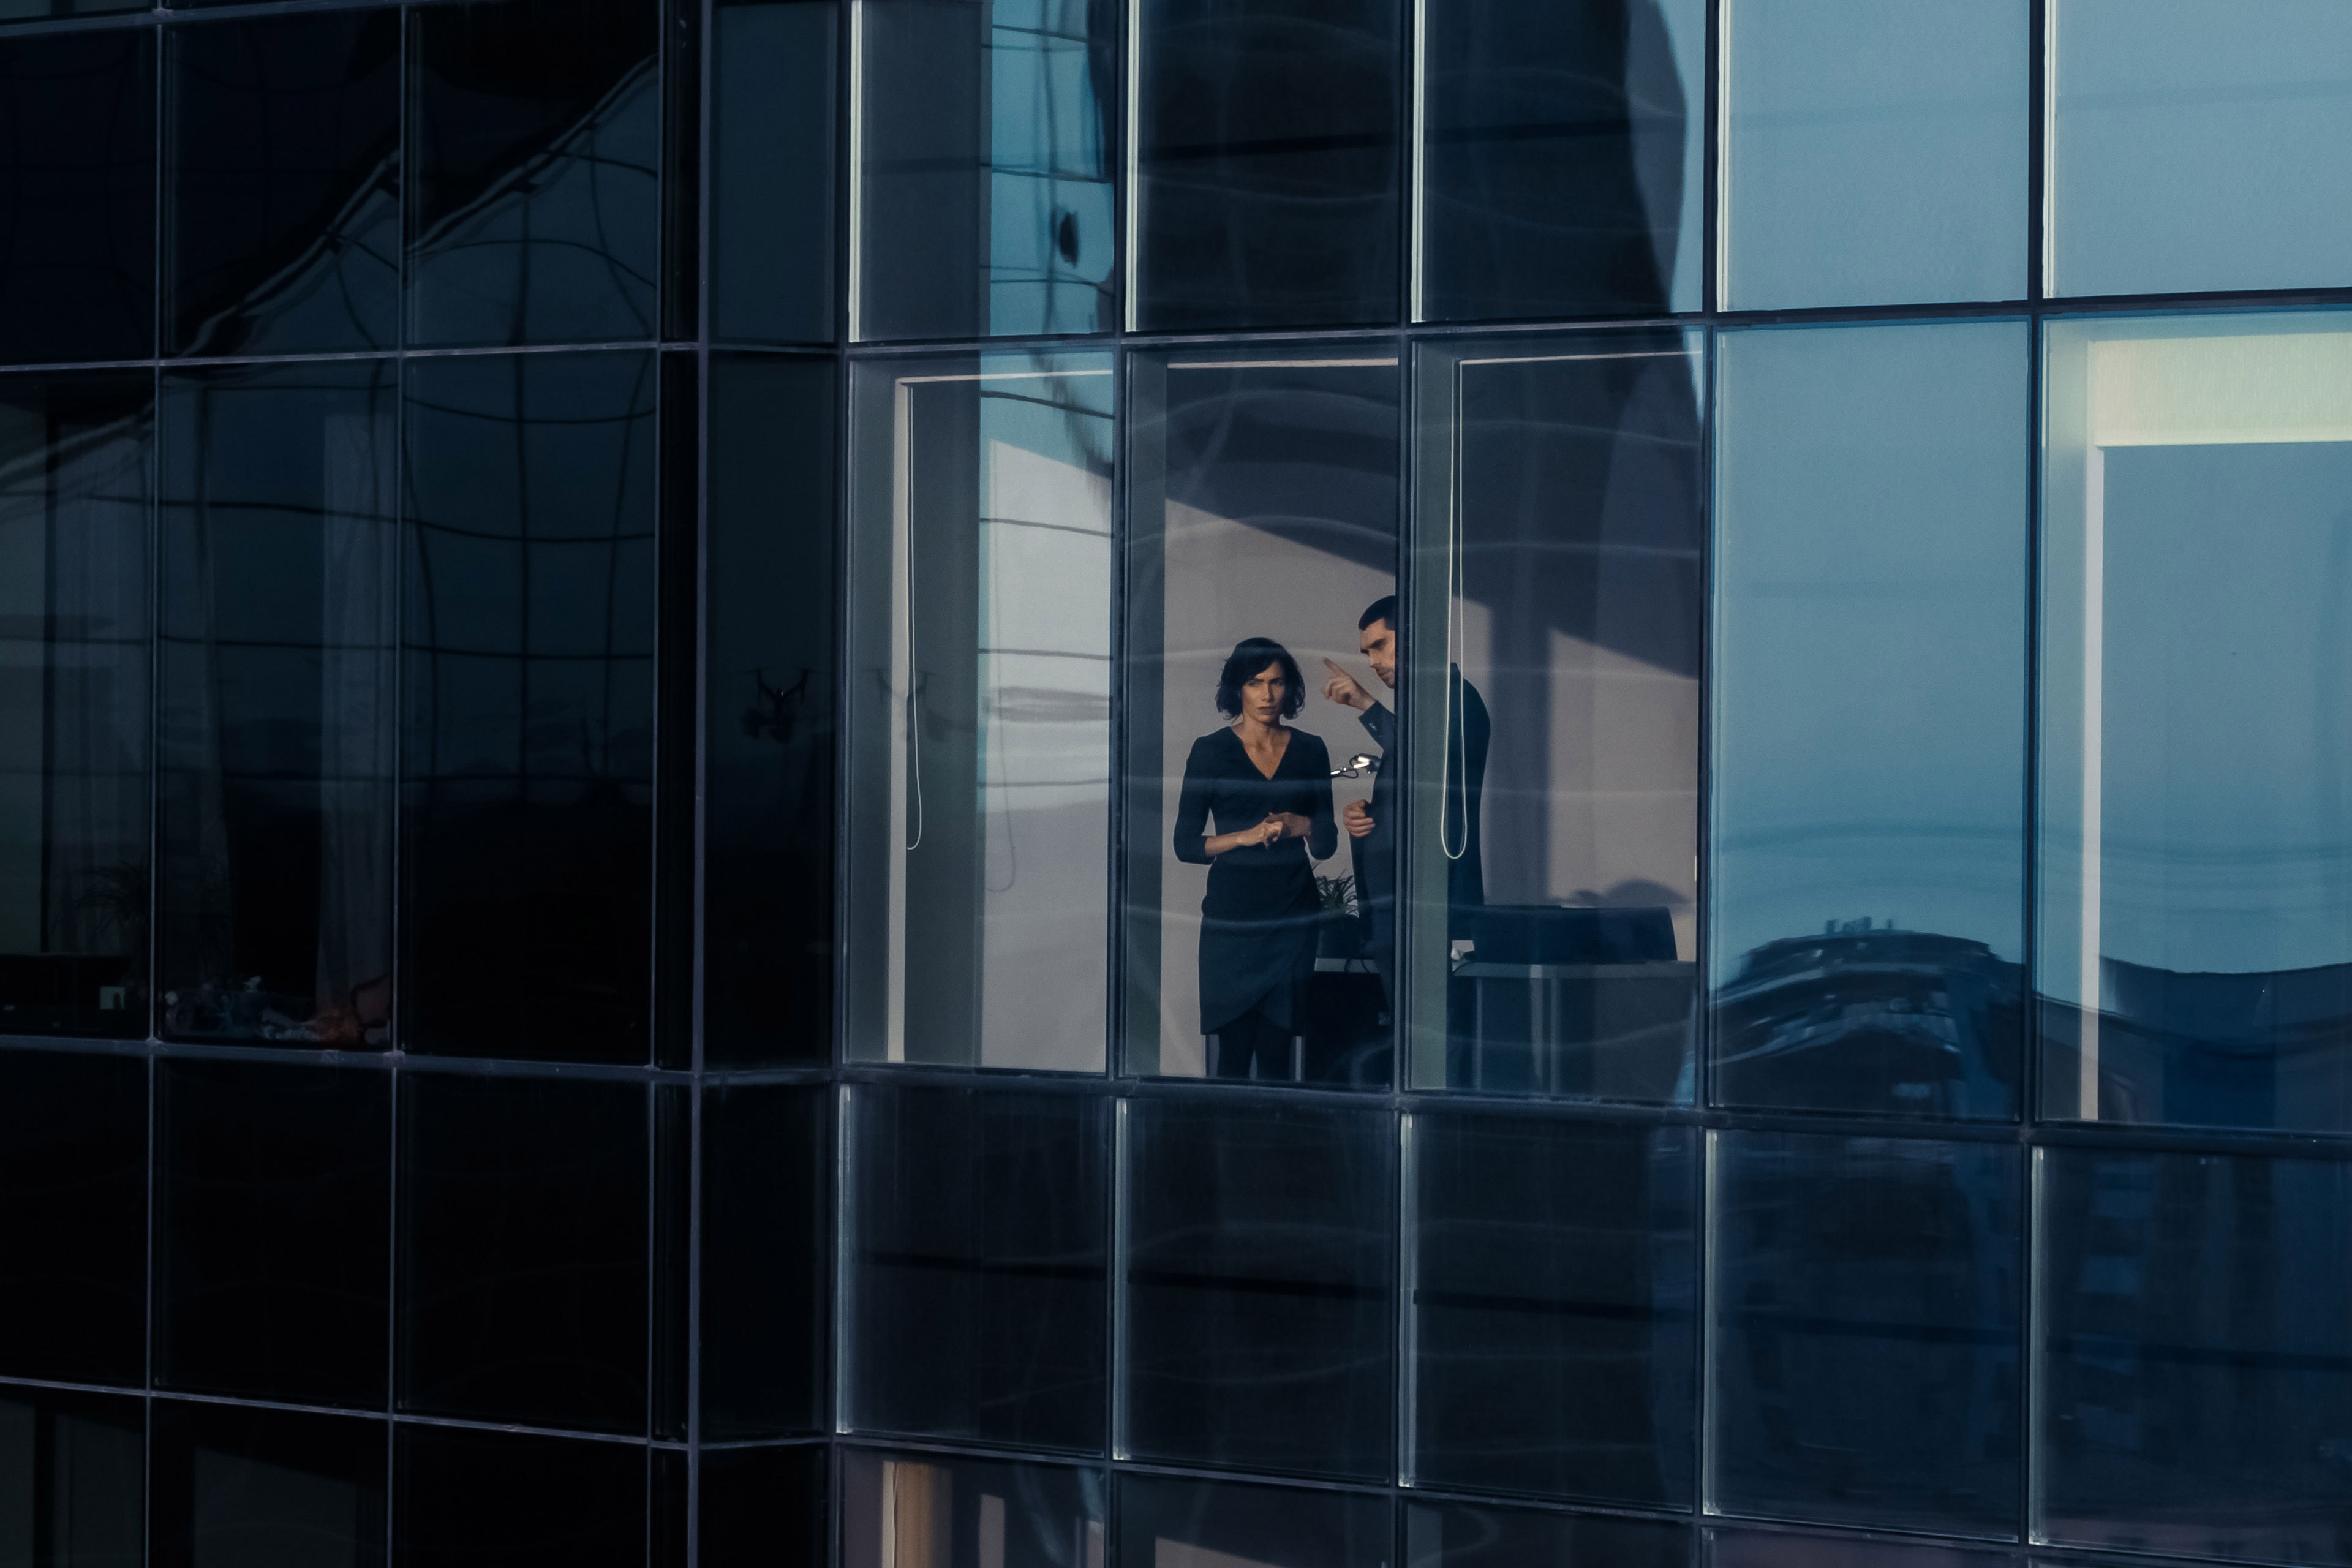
{"points": [[1408, 1307], [1416, 130], [852, 197], [1121, 1235], [844, 1209], [1133, 158]]}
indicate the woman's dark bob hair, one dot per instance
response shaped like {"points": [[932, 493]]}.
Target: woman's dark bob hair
{"points": [[1249, 656]]}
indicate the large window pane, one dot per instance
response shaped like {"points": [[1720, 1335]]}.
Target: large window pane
{"points": [[1553, 662], [967, 1513], [276, 743], [1561, 166], [767, 1247], [2196, 145], [1866, 1310], [1869, 727], [985, 200], [285, 186], [1261, 528], [1267, 164], [1459, 1535], [772, 113], [1551, 1314], [2196, 1358], [979, 1265], [72, 1480], [536, 128], [1170, 1522], [1874, 153], [528, 702], [2196, 818], [980, 801], [74, 716], [247, 1485], [73, 1215], [1257, 1286]]}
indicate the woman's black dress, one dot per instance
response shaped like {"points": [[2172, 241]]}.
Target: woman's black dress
{"points": [[1259, 920]]}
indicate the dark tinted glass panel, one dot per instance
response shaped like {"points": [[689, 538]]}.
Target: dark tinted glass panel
{"points": [[284, 185], [2196, 1372], [1459, 1535], [773, 116], [1551, 1311], [1869, 725], [1867, 1317], [23, 10], [2195, 884], [1759, 1549], [1875, 156], [976, 1299], [72, 1480], [536, 128], [73, 1215], [2188, 150], [983, 573], [463, 1500], [1551, 661], [765, 1508], [1173, 1523], [1263, 514], [274, 1208], [528, 698], [73, 704], [1267, 162], [670, 1309], [1258, 1276], [767, 1251], [968, 1514], [986, 203], [770, 723], [77, 196], [276, 742], [522, 1237], [678, 697], [274, 1487], [1561, 166]]}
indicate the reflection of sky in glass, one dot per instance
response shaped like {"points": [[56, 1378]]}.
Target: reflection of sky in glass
{"points": [[1050, 195], [1869, 660]]}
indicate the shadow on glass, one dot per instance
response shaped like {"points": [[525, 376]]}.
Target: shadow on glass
{"points": [[1552, 700], [982, 571], [935, 1512], [2195, 938], [1261, 581]]}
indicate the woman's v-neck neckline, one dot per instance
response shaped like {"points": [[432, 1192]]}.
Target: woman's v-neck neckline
{"points": [[1262, 775]]}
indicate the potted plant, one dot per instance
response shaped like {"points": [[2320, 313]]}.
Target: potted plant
{"points": [[1341, 934]]}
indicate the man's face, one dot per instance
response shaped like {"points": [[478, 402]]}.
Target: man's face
{"points": [[1379, 643]]}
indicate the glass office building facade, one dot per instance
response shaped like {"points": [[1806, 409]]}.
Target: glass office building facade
{"points": [[1175, 783]]}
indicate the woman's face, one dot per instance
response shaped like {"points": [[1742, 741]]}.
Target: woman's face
{"points": [[1262, 695]]}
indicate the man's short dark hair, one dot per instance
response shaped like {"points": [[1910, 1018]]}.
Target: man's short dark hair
{"points": [[1249, 656], [1381, 610]]}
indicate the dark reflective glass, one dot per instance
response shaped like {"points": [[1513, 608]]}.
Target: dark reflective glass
{"points": [[1562, 169], [522, 1238], [1258, 1275], [273, 1198], [527, 701], [1267, 164], [2195, 879], [276, 683], [283, 185], [74, 747], [1262, 505], [1551, 1310], [1759, 1548], [535, 215], [77, 196], [42, 10], [769, 722], [766, 1508], [986, 202], [1867, 1313], [1173, 1523], [1875, 156], [980, 1229], [767, 1257], [982, 575], [464, 1498], [265, 1487], [670, 1309], [2195, 1384], [968, 1514], [1551, 668], [72, 1480], [1869, 726], [73, 1215], [772, 117], [1461, 1535]]}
